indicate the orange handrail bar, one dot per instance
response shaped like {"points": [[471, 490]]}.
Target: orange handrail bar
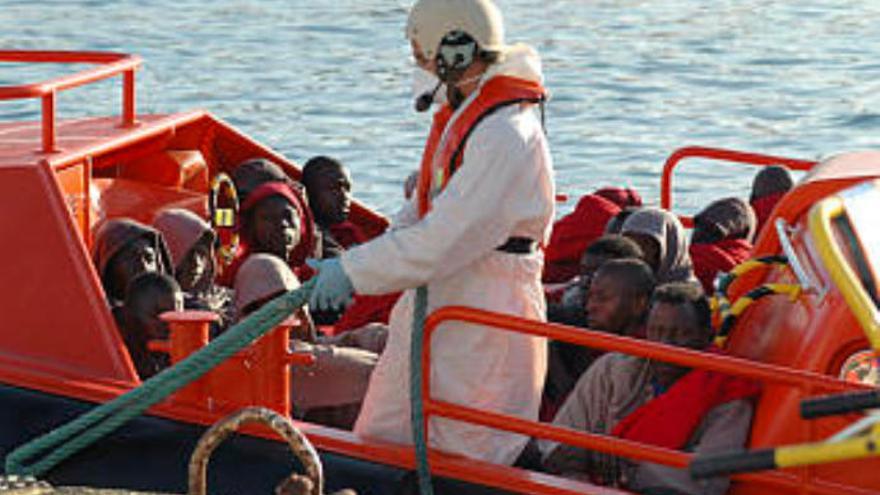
{"points": [[608, 342], [110, 64], [719, 154]]}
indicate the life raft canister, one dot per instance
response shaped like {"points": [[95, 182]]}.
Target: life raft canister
{"points": [[441, 160]]}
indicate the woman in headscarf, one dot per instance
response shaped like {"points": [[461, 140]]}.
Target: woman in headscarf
{"points": [[662, 239], [722, 239], [122, 250], [190, 241]]}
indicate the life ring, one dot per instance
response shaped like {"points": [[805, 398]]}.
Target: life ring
{"points": [[224, 208]]}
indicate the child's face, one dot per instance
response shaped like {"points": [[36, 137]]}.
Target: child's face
{"points": [[137, 257], [276, 227], [196, 269], [332, 196]]}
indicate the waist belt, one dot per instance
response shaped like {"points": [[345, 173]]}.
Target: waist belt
{"points": [[518, 245]]}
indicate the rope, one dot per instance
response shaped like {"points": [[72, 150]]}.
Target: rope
{"points": [[106, 418], [721, 303], [417, 413], [730, 314]]}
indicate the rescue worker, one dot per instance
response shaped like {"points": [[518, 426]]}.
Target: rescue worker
{"points": [[484, 203]]}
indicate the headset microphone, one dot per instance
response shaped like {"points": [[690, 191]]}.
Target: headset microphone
{"points": [[423, 102]]}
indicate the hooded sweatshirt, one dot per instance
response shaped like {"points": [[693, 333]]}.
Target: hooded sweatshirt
{"points": [[182, 229], [665, 228], [733, 224], [111, 237]]}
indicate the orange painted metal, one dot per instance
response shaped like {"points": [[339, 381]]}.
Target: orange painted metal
{"points": [[804, 382], [718, 154], [257, 376], [74, 350], [111, 64]]}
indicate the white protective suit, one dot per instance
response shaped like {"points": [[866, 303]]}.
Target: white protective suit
{"points": [[504, 188]]}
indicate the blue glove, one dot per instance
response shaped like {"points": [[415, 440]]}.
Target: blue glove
{"points": [[333, 288]]}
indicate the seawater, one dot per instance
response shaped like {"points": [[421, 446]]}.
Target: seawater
{"points": [[631, 80]]}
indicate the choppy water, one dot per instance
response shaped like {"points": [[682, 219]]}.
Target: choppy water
{"points": [[631, 80]]}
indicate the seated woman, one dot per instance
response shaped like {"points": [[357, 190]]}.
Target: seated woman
{"points": [[330, 391], [191, 244], [124, 249], [656, 403], [721, 239], [147, 296], [275, 220], [663, 242]]}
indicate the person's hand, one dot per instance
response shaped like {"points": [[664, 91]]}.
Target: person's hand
{"points": [[333, 288]]}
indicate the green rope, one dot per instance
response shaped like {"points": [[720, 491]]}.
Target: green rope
{"points": [[106, 418], [417, 413]]}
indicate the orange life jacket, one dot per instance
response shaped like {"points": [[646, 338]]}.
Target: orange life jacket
{"points": [[441, 160]]}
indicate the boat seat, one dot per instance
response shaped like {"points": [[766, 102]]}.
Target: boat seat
{"points": [[182, 169], [114, 198]]}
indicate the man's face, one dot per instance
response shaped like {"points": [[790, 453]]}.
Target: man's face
{"points": [[673, 324], [276, 227], [332, 196], [609, 305], [137, 257], [147, 310], [196, 269]]}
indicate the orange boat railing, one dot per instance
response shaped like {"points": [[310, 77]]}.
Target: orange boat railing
{"points": [[110, 64], [719, 154], [807, 382]]}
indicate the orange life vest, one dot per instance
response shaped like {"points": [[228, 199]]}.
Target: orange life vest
{"points": [[441, 160]]}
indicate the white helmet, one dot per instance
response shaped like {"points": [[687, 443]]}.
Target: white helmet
{"points": [[430, 20]]}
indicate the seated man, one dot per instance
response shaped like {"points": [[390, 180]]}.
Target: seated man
{"points": [[569, 310], [328, 185], [656, 403], [617, 303], [191, 244], [331, 390], [768, 187], [124, 249], [721, 239], [148, 296]]}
